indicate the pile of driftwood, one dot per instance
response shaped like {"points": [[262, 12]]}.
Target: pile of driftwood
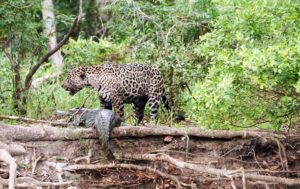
{"points": [[41, 156]]}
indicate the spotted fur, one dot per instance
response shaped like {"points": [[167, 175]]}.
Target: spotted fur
{"points": [[119, 84]]}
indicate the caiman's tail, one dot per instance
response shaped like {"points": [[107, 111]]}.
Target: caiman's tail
{"points": [[105, 121]]}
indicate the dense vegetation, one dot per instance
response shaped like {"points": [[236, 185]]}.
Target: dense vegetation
{"points": [[227, 64]]}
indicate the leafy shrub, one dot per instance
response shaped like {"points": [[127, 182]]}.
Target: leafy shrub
{"points": [[91, 52], [5, 86], [253, 65]]}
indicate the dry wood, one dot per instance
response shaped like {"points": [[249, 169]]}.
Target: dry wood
{"points": [[13, 149], [85, 158], [218, 172], [125, 166], [28, 182], [190, 131], [30, 120], [45, 133], [34, 164], [39, 81], [6, 157], [4, 171]]}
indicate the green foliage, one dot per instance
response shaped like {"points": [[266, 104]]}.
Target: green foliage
{"points": [[22, 42], [5, 86], [253, 74], [90, 52], [162, 33], [50, 97], [19, 28], [22, 38], [226, 64]]}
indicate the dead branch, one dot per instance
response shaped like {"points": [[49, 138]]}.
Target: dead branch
{"points": [[13, 149], [43, 59], [125, 166], [37, 82], [282, 155], [30, 120], [28, 182], [34, 164], [4, 171], [45, 133], [86, 158], [218, 172], [6, 157]]}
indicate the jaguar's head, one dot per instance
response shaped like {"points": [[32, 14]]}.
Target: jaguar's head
{"points": [[75, 80]]}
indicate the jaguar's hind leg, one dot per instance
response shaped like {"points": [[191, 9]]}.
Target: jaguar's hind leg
{"points": [[105, 104], [139, 107], [118, 106], [154, 105]]}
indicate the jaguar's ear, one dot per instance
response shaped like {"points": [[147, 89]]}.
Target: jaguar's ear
{"points": [[82, 76]]}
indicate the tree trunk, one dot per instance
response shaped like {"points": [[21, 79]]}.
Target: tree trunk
{"points": [[98, 15], [16, 94], [50, 32], [20, 92]]}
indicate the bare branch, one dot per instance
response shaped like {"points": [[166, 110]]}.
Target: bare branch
{"points": [[218, 172], [13, 149], [44, 58], [125, 166], [6, 157], [37, 82], [28, 182]]}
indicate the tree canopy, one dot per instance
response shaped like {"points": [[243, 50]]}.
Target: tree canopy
{"points": [[226, 64]]}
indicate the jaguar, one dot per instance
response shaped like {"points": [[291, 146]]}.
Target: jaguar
{"points": [[117, 84]]}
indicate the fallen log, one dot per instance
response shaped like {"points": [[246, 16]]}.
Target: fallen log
{"points": [[47, 133], [189, 131], [43, 133], [193, 157]]}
